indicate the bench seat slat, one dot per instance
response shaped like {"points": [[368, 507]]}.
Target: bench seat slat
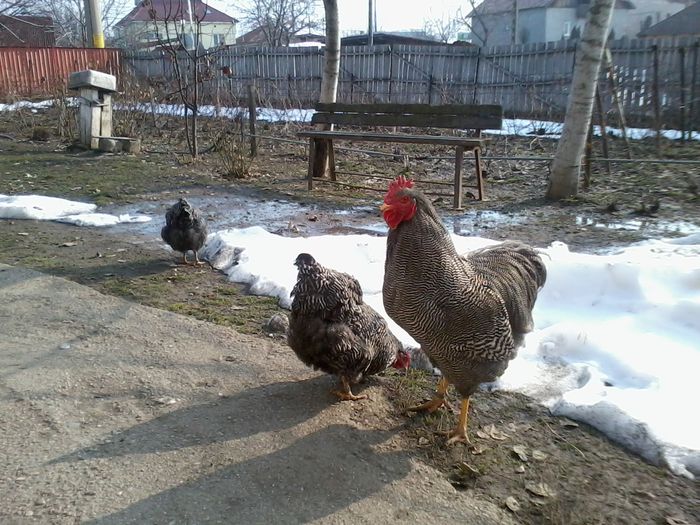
{"points": [[416, 120], [476, 110], [392, 137]]}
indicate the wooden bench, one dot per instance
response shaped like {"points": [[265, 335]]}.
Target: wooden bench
{"points": [[452, 116]]}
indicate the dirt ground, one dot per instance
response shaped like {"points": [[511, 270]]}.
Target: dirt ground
{"points": [[571, 473]]}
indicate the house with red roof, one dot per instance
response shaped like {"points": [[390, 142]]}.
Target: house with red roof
{"points": [[154, 22]]}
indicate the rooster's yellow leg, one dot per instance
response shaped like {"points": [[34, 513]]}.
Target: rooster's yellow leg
{"points": [[459, 434], [344, 393], [436, 402]]}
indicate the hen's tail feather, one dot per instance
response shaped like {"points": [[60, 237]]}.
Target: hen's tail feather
{"points": [[517, 272]]}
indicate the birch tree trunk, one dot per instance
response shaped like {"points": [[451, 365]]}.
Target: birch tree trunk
{"points": [[564, 176], [329, 80]]}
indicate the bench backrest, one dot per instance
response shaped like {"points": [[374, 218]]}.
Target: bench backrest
{"points": [[455, 116]]}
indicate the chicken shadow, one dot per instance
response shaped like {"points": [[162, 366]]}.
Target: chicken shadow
{"points": [[268, 408], [316, 476]]}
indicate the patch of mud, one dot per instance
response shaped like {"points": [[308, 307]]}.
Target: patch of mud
{"points": [[242, 210]]}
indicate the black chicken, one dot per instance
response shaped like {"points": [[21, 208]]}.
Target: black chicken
{"points": [[184, 229], [332, 329]]}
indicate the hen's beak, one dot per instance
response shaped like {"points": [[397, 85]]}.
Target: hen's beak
{"points": [[385, 207]]}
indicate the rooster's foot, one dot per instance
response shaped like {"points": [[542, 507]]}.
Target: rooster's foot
{"points": [[459, 433], [440, 399], [431, 406], [457, 436]]}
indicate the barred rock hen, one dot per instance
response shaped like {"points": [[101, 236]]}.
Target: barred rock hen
{"points": [[469, 313], [184, 229], [332, 329]]}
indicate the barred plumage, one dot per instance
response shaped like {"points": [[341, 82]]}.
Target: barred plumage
{"points": [[332, 329], [184, 229], [468, 313]]}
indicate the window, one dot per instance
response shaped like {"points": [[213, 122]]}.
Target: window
{"points": [[219, 39], [567, 29]]}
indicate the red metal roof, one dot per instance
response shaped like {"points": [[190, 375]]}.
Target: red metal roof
{"points": [[174, 10], [27, 31]]}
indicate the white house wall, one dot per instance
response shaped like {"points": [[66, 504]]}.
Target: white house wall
{"points": [[144, 32]]}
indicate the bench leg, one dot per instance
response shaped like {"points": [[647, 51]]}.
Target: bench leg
{"points": [[310, 174], [479, 174], [459, 158], [331, 160]]}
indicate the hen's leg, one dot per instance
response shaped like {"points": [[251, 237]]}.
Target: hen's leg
{"points": [[459, 434], [436, 402], [184, 258], [196, 259], [344, 392]]}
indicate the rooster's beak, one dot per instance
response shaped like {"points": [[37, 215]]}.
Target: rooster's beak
{"points": [[385, 207]]}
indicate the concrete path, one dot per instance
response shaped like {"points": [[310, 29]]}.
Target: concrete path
{"points": [[115, 413]]}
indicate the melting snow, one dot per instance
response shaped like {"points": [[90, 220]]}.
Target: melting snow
{"points": [[39, 207], [616, 338]]}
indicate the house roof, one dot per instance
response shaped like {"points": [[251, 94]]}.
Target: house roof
{"points": [[387, 38], [174, 10], [492, 7], [257, 36], [684, 22], [27, 31]]}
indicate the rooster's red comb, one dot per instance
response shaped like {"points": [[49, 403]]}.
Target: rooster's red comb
{"points": [[399, 183]]}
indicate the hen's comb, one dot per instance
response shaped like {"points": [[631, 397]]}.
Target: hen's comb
{"points": [[399, 183]]}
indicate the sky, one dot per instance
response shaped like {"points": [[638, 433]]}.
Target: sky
{"points": [[392, 15], [616, 335]]}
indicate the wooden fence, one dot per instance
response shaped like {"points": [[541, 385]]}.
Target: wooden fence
{"points": [[529, 81], [44, 71]]}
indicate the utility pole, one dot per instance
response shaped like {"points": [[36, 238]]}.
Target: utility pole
{"points": [[93, 24], [370, 28], [515, 22]]}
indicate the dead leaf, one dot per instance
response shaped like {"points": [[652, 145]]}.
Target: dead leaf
{"points": [[464, 475], [496, 434], [521, 452], [567, 423], [423, 441], [512, 504], [23, 234], [540, 489], [478, 449], [676, 520], [481, 434], [538, 455], [520, 469], [68, 244]]}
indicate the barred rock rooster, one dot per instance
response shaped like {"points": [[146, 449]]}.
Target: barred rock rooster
{"points": [[469, 313], [332, 329], [184, 229]]}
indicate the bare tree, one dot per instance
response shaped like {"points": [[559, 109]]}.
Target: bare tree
{"points": [[280, 20], [444, 28], [16, 7], [475, 21], [329, 80], [564, 176], [181, 42], [69, 19]]}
